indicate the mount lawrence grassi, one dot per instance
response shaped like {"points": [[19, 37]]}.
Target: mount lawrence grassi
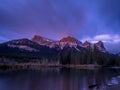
{"points": [[67, 50]]}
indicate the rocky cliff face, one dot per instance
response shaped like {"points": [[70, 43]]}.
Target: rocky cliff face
{"points": [[68, 41], [41, 40]]}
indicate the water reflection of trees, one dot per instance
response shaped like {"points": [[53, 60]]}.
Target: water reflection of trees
{"points": [[75, 79]]}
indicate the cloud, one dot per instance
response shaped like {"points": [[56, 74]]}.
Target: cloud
{"points": [[93, 19], [102, 37], [106, 38], [111, 42]]}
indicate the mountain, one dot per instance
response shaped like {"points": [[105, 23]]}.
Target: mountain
{"points": [[41, 40], [67, 41], [25, 47], [67, 50], [60, 44], [100, 46], [70, 39], [24, 44], [87, 44]]}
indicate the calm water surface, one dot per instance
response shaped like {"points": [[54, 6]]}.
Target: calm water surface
{"points": [[61, 79]]}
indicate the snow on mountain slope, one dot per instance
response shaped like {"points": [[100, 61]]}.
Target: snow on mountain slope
{"points": [[68, 41], [87, 44], [100, 46], [45, 41], [38, 41], [41, 40], [72, 42], [24, 44], [23, 47]]}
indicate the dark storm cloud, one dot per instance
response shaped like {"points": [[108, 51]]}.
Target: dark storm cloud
{"points": [[57, 18]]}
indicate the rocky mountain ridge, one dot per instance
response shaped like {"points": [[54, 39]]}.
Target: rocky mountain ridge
{"points": [[70, 41], [67, 50]]}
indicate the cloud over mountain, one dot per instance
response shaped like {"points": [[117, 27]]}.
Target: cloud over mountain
{"points": [[57, 18]]}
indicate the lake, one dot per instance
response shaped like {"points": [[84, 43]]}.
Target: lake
{"points": [[61, 79]]}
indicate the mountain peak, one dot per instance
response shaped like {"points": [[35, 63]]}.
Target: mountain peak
{"points": [[86, 43], [69, 39], [100, 43], [100, 46], [37, 37], [41, 40]]}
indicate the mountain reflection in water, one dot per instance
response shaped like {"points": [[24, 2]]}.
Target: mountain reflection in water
{"points": [[60, 79]]}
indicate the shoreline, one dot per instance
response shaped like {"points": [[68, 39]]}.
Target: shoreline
{"points": [[38, 65]]}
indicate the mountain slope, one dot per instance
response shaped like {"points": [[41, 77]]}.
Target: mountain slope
{"points": [[68, 41], [24, 47], [68, 50]]}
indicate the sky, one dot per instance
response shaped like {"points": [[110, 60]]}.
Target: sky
{"points": [[91, 20]]}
